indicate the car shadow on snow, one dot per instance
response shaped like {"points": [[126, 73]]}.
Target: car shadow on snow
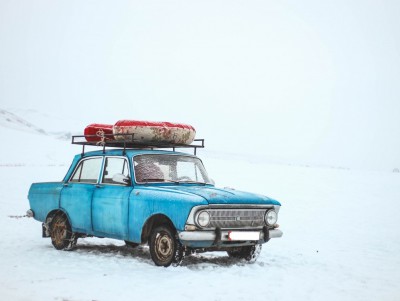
{"points": [[142, 254], [114, 250], [213, 260]]}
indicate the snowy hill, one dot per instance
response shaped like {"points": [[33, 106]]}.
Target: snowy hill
{"points": [[25, 143], [57, 124], [340, 236], [12, 121], [32, 121]]}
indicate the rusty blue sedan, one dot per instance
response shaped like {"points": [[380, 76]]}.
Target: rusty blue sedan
{"points": [[149, 195]]}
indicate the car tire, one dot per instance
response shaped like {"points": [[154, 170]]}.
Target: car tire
{"points": [[165, 248], [248, 253], [61, 234]]}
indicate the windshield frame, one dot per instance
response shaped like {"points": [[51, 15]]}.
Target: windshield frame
{"points": [[199, 164]]}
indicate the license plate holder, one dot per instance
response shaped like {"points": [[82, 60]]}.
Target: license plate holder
{"points": [[243, 235]]}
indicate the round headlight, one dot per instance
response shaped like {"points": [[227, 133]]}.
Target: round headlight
{"points": [[271, 217], [203, 219]]}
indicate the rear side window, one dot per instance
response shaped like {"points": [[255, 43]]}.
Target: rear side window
{"points": [[88, 171]]}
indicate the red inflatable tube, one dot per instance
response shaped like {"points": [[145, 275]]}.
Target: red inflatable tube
{"points": [[135, 123], [97, 130], [143, 131], [150, 131]]}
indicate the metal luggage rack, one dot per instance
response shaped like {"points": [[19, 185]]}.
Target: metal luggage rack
{"points": [[127, 141]]}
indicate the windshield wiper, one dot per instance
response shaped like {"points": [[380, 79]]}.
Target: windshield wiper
{"points": [[192, 182], [158, 180]]}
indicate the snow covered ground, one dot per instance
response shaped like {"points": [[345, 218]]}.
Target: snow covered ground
{"points": [[341, 237]]}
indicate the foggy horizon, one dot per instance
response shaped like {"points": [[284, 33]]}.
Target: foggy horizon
{"points": [[309, 83]]}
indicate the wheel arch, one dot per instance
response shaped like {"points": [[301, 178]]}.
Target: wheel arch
{"points": [[155, 221], [53, 213], [49, 218]]}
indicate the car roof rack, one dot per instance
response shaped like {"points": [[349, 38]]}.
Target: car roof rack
{"points": [[129, 142]]}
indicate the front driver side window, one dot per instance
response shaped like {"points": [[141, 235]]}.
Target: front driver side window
{"points": [[88, 171], [115, 166]]}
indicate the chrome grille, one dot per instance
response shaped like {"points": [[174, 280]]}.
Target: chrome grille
{"points": [[236, 218]]}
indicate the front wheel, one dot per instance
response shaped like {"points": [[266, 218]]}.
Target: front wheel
{"points": [[248, 253], [165, 248], [61, 234]]}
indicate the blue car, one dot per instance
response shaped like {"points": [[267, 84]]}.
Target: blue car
{"points": [[147, 195]]}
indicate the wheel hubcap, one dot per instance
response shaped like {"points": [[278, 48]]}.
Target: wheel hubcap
{"points": [[164, 246]]}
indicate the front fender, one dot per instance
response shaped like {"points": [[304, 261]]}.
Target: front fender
{"points": [[147, 201]]}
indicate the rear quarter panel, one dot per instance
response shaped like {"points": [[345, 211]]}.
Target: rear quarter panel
{"points": [[44, 197]]}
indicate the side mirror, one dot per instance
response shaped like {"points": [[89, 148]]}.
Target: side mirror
{"points": [[121, 179]]}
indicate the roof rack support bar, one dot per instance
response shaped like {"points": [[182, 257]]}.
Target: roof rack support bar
{"points": [[129, 143]]}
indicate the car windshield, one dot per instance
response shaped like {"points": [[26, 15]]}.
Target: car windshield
{"points": [[169, 168]]}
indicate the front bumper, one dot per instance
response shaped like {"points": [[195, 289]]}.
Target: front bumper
{"points": [[224, 237]]}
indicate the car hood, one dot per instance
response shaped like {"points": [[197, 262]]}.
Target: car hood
{"points": [[215, 195]]}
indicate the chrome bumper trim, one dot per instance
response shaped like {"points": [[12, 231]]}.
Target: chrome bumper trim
{"points": [[211, 235], [275, 233], [30, 213]]}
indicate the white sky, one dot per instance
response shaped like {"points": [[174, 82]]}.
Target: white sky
{"points": [[312, 82]]}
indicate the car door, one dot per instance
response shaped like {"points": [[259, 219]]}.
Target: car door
{"points": [[111, 198], [76, 196]]}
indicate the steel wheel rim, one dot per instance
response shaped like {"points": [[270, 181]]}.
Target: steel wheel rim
{"points": [[163, 246]]}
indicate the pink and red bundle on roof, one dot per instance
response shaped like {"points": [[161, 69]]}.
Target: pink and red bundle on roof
{"points": [[144, 132]]}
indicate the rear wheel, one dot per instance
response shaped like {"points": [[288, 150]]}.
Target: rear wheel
{"points": [[61, 234], [165, 248], [248, 253]]}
